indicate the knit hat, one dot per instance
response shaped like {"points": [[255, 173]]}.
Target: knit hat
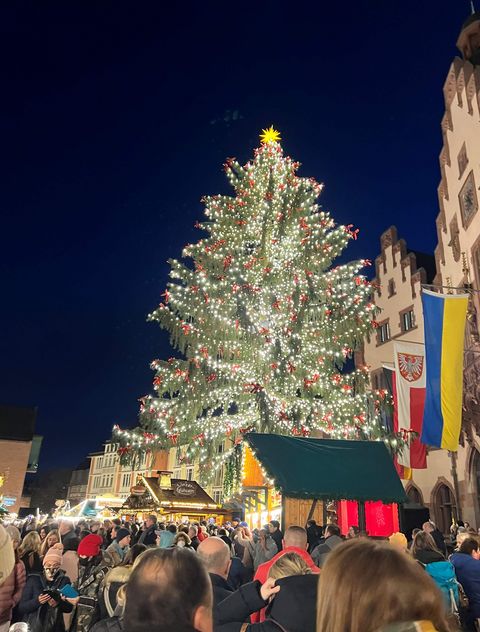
{"points": [[90, 545], [54, 554], [398, 540], [14, 533], [7, 556], [122, 533]]}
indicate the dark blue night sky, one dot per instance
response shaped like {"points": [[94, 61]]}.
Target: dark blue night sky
{"points": [[116, 118]]}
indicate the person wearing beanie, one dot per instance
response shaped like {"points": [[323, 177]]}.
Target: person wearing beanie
{"points": [[94, 565], [8, 594], [42, 606], [120, 545]]}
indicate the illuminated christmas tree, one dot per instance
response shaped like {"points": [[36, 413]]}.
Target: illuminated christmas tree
{"points": [[264, 320]]}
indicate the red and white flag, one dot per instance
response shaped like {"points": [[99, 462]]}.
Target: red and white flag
{"points": [[409, 401]]}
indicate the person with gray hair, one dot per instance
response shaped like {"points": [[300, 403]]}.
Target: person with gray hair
{"points": [[215, 555]]}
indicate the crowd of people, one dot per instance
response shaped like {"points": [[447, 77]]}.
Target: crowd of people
{"points": [[120, 576]]}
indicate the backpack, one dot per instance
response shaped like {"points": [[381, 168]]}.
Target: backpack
{"points": [[443, 574]]}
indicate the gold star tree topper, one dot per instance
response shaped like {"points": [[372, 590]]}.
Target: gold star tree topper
{"points": [[270, 135]]}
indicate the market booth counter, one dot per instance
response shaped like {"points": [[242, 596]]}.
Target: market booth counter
{"points": [[296, 479], [172, 499]]}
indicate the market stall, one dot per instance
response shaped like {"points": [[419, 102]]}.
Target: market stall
{"points": [[171, 499], [295, 479], [99, 508]]}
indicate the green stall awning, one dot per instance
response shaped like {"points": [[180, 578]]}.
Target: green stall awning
{"points": [[328, 469]]}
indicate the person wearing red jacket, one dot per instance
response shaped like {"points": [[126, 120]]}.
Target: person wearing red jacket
{"points": [[295, 539]]}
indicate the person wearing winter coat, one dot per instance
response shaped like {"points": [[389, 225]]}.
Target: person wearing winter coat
{"points": [[148, 535], [442, 572], [40, 610], [260, 551], [166, 537], [295, 541], [7, 570], [290, 604], [70, 559], [120, 545], [113, 621], [314, 535], [466, 562], [332, 540], [430, 528], [29, 553], [94, 565], [12, 588]]}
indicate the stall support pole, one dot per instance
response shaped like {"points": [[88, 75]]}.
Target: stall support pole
{"points": [[362, 523], [311, 512]]}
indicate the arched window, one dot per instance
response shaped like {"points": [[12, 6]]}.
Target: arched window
{"points": [[414, 495], [445, 507]]}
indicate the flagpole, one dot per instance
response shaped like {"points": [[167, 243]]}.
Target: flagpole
{"points": [[456, 487]]}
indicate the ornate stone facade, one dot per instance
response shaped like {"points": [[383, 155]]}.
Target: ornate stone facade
{"points": [[457, 265]]}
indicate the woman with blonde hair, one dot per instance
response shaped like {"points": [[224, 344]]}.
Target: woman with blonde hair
{"points": [[52, 538], [370, 586], [289, 564], [29, 552]]}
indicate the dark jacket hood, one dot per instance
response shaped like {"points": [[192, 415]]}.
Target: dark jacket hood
{"points": [[295, 606]]}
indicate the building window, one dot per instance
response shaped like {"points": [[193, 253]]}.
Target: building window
{"points": [[383, 332], [176, 474], [178, 456], [189, 473], [468, 200], [221, 448], [391, 287], [462, 160], [407, 320], [217, 496], [445, 508], [219, 476], [379, 381], [414, 495]]}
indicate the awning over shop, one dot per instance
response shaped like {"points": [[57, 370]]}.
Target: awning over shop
{"points": [[328, 469]]}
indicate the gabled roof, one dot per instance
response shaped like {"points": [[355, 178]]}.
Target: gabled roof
{"points": [[328, 469], [181, 491]]}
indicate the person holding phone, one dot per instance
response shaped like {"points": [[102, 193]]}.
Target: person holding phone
{"points": [[43, 601]]}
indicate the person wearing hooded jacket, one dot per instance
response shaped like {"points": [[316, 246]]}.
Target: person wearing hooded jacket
{"points": [[41, 611]]}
